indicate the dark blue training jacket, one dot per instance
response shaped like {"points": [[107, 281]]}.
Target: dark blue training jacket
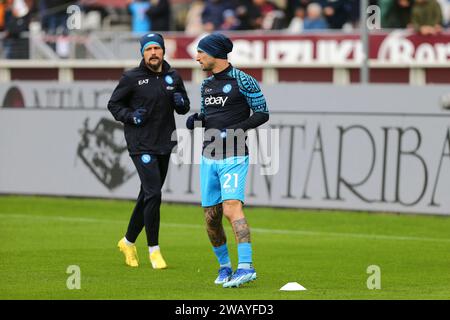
{"points": [[142, 88]]}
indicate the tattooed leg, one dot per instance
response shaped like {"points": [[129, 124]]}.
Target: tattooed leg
{"points": [[241, 230], [233, 211], [214, 226]]}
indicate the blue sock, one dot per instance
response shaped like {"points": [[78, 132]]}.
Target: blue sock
{"points": [[245, 255], [222, 255]]}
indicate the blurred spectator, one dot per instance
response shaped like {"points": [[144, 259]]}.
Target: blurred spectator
{"points": [[395, 13], [296, 24], [140, 22], [242, 12], [54, 15], [303, 4], [314, 19], [265, 15], [213, 14], [290, 10], [2, 14], [194, 25], [17, 20], [230, 22], [159, 14], [336, 12], [427, 17], [445, 6], [355, 12]]}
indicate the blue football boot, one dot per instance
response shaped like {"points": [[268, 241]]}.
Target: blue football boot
{"points": [[240, 277], [224, 275]]}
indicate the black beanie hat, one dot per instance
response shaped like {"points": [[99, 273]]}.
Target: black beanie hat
{"points": [[151, 38], [216, 45]]}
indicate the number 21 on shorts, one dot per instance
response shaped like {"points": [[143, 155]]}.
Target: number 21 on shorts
{"points": [[229, 177]]}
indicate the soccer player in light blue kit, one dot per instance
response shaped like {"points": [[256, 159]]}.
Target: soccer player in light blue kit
{"points": [[231, 104]]}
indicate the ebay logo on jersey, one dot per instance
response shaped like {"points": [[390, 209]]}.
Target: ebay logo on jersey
{"points": [[215, 100]]}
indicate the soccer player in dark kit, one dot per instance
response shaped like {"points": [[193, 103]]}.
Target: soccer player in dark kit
{"points": [[144, 101], [227, 99]]}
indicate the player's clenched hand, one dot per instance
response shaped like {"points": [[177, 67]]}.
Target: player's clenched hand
{"points": [[190, 122], [178, 99], [137, 116]]}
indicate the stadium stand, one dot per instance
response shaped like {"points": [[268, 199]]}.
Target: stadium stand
{"points": [[284, 40]]}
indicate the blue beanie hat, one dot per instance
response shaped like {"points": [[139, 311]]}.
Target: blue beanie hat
{"points": [[151, 38], [216, 45]]}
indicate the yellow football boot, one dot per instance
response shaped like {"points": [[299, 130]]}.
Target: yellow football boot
{"points": [[130, 253], [157, 260]]}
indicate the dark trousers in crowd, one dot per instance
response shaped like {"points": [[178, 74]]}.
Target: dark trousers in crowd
{"points": [[16, 48], [152, 171]]}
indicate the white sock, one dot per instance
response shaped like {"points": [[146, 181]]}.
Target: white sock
{"points": [[244, 266], [127, 242], [151, 249]]}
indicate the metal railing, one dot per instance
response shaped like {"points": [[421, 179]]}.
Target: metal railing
{"points": [[270, 71]]}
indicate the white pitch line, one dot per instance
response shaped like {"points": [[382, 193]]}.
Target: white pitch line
{"points": [[257, 230]]}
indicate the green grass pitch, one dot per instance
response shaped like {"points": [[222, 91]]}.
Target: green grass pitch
{"points": [[328, 252]]}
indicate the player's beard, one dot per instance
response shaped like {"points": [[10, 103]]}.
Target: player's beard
{"points": [[207, 67], [154, 63]]}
